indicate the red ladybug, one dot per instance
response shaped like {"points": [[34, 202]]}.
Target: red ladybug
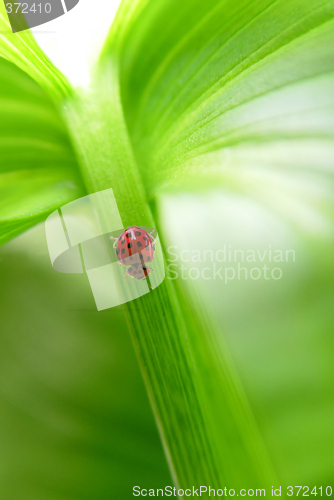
{"points": [[134, 246], [138, 271]]}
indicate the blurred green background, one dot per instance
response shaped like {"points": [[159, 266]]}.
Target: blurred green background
{"points": [[75, 421], [280, 333]]}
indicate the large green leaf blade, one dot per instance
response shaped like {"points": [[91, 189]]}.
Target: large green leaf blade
{"points": [[38, 171], [222, 76]]}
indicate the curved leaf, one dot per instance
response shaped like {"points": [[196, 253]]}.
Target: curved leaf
{"points": [[38, 170], [223, 81], [22, 50]]}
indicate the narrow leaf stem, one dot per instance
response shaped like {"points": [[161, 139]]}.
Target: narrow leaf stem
{"points": [[205, 424]]}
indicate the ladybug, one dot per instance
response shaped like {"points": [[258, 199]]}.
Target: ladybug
{"points": [[138, 271], [134, 246]]}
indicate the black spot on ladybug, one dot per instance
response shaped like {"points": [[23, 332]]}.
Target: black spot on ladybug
{"points": [[117, 251], [137, 233], [123, 260], [129, 245], [145, 238], [128, 235], [123, 250], [134, 272], [149, 258], [123, 241], [139, 244]]}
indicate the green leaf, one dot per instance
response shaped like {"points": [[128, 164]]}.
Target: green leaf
{"points": [[21, 49], [38, 170], [225, 91]]}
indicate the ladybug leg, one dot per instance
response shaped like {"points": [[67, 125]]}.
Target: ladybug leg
{"points": [[151, 234], [115, 240], [148, 284]]}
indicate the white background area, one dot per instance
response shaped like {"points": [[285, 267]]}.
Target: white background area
{"points": [[74, 40]]}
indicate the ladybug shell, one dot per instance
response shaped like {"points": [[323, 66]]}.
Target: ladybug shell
{"points": [[138, 271], [135, 246]]}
